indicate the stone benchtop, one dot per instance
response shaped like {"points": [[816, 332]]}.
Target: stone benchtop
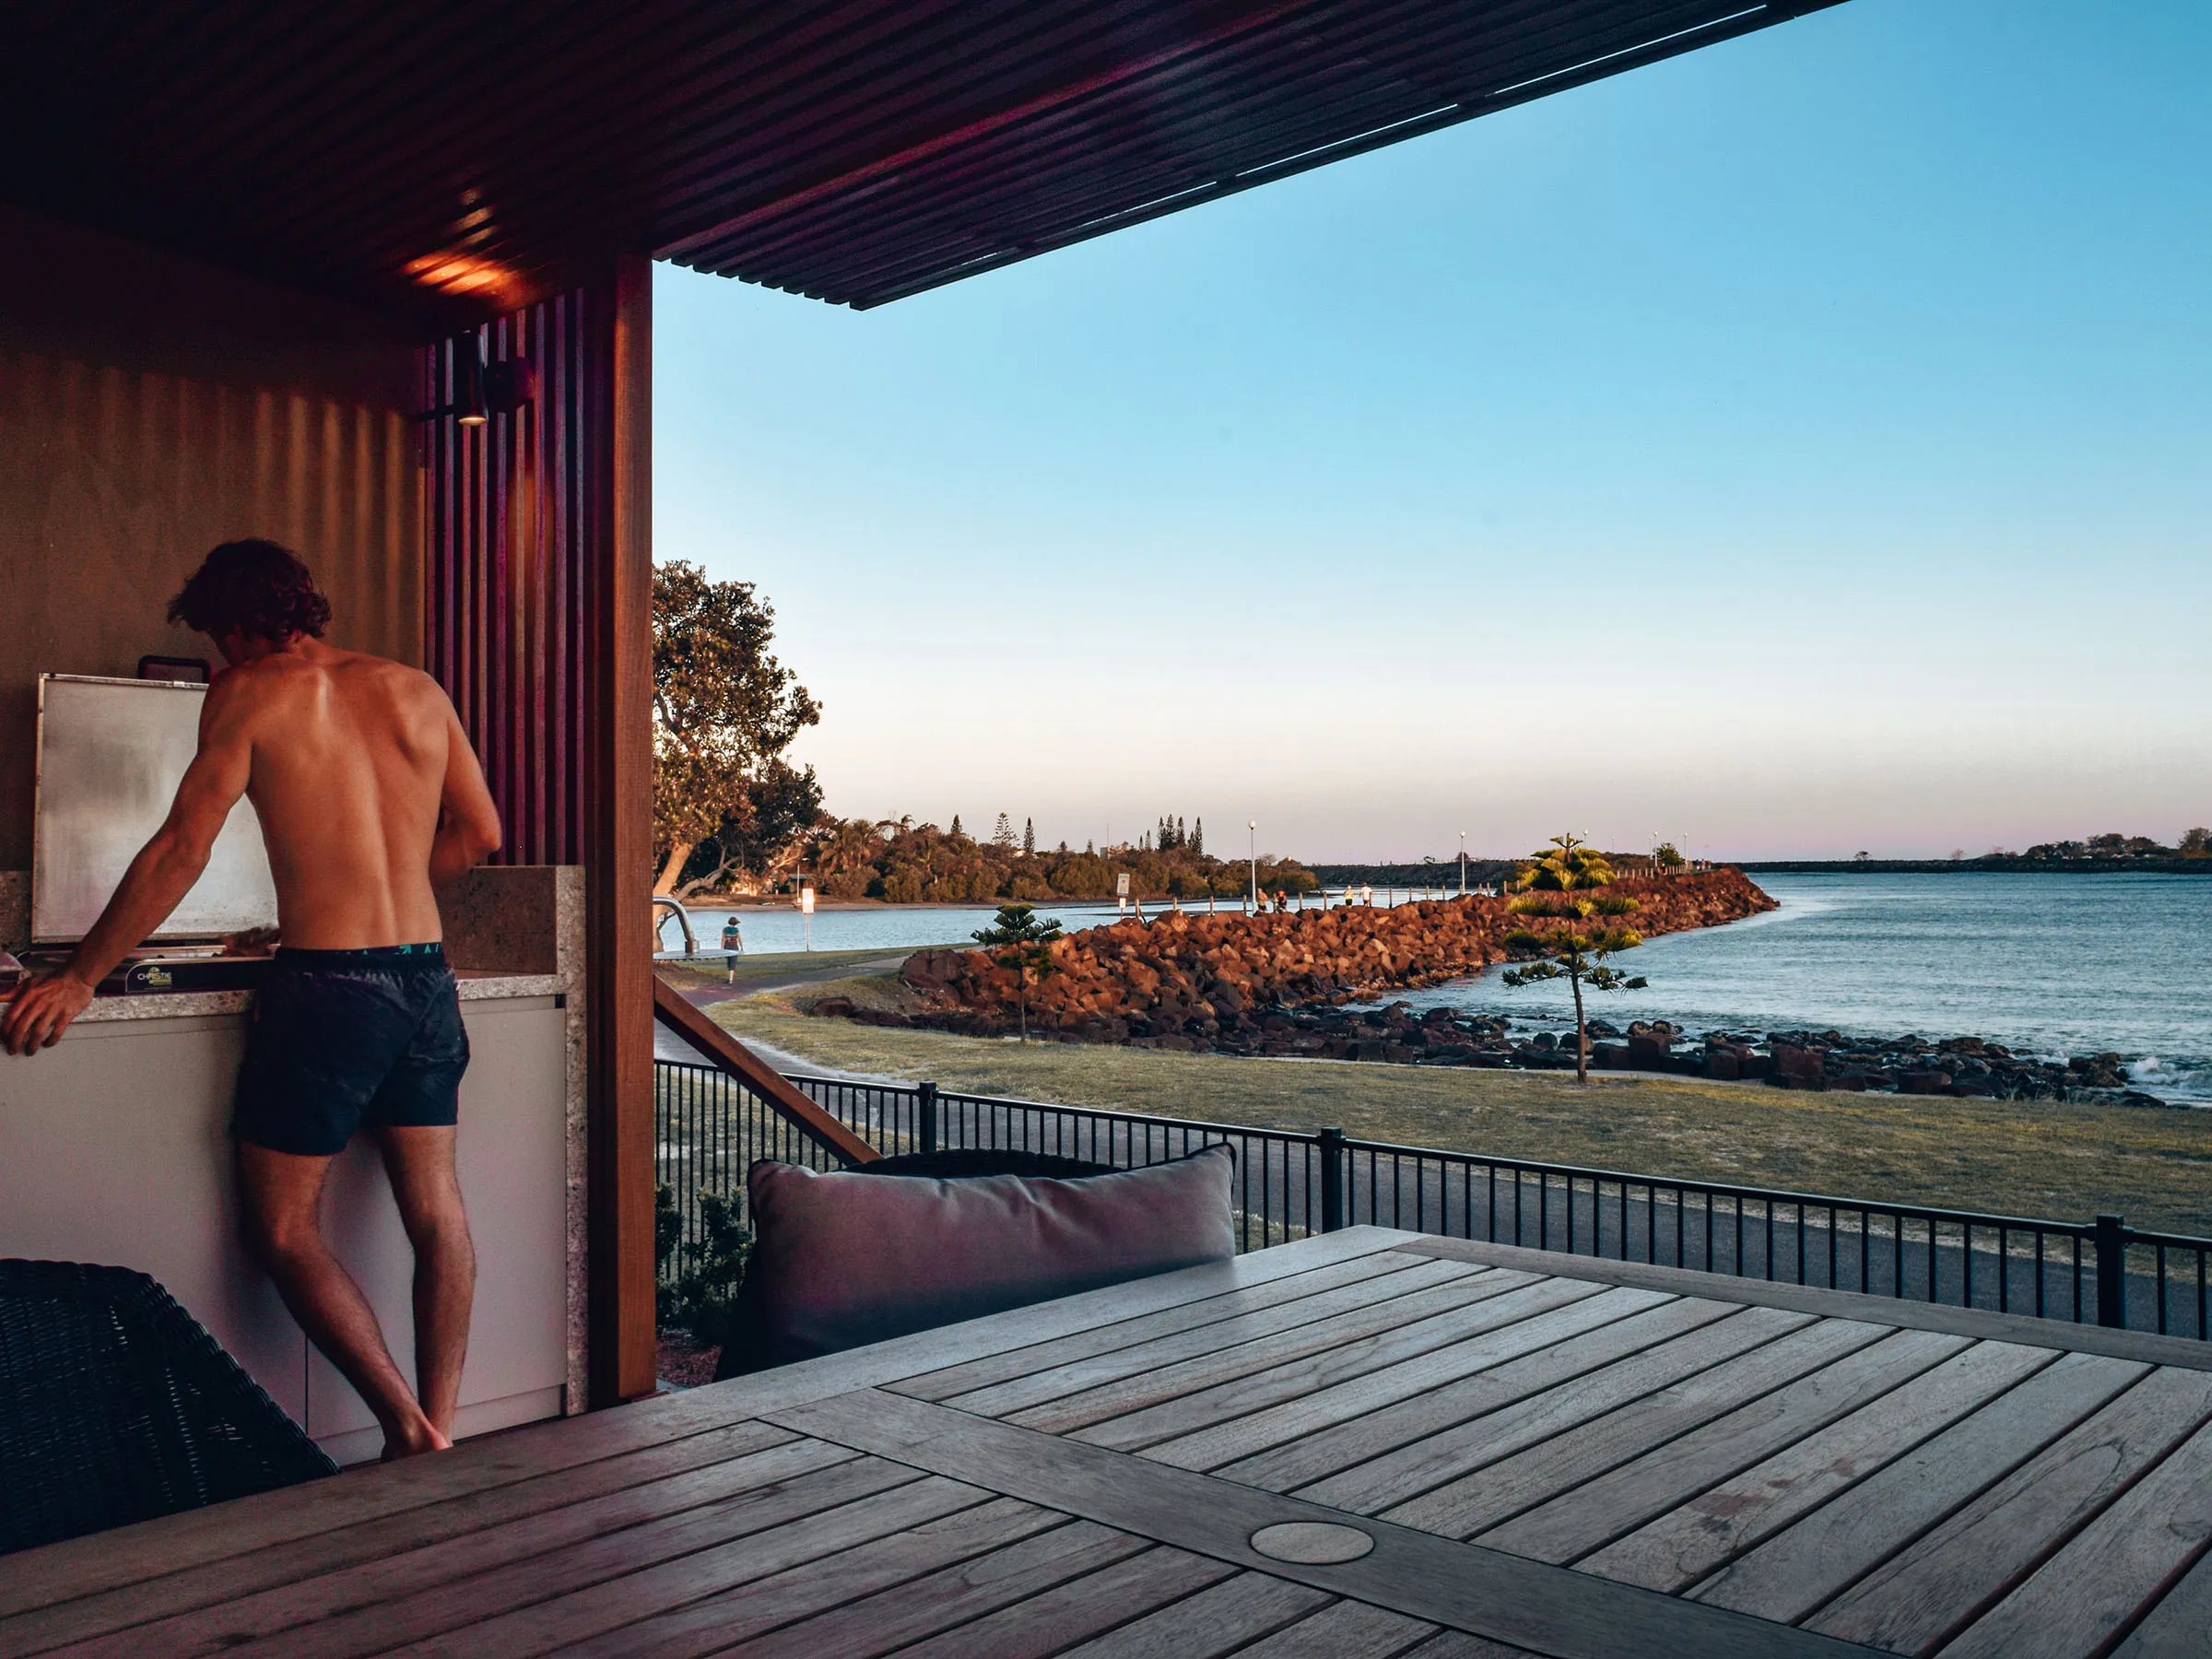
{"points": [[476, 986]]}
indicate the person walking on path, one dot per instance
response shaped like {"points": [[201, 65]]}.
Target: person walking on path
{"points": [[370, 799]]}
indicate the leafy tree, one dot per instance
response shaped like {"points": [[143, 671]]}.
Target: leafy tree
{"points": [[955, 824], [2196, 842], [1198, 839], [724, 712], [1574, 953], [1667, 857], [787, 804], [1003, 836], [1018, 940], [1028, 838]]}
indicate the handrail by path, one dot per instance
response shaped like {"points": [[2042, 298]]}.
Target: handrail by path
{"points": [[728, 1056]]}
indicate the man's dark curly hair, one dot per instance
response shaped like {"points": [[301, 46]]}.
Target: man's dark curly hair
{"points": [[252, 587]]}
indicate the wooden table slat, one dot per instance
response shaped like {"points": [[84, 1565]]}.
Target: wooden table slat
{"points": [[1687, 1544], [316, 1583], [1082, 1607], [1983, 1324], [1221, 1620], [1316, 1321], [810, 1516], [1936, 1583], [1788, 1575], [952, 1598], [1178, 1406], [1528, 1413], [700, 1602], [1461, 1508], [1347, 1630], [1458, 1644], [1356, 1428], [2104, 1576], [1426, 1316], [1083, 1345], [1596, 1512], [2175, 1628]]}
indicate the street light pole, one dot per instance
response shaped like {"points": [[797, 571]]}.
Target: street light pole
{"points": [[1463, 864], [1253, 830]]}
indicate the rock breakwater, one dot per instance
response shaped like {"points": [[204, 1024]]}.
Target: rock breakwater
{"points": [[1232, 982], [1960, 1066]]}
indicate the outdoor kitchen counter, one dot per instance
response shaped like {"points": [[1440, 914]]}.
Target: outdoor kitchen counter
{"points": [[476, 985], [115, 1148]]}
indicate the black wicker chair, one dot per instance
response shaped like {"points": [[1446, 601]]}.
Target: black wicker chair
{"points": [[116, 1406]]}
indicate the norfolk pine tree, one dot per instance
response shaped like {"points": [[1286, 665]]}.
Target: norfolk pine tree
{"points": [[1019, 941], [1562, 952]]}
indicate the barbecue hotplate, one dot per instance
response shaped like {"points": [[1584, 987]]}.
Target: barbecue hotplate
{"points": [[153, 973]]}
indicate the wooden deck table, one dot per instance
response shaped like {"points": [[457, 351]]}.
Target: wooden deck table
{"points": [[1361, 1445]]}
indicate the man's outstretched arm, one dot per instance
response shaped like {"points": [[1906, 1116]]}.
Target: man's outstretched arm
{"points": [[468, 823], [154, 885]]}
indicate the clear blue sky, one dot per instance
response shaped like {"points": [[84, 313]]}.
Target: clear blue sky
{"points": [[1800, 446]]}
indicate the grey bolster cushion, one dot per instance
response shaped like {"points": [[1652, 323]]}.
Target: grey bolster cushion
{"points": [[843, 1259]]}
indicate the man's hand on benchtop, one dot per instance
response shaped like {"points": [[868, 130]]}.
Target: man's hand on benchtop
{"points": [[253, 942], [41, 1010]]}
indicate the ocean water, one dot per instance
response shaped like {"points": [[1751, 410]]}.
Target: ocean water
{"points": [[2049, 965]]}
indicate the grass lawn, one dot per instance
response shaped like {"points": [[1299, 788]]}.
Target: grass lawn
{"points": [[2061, 1162]]}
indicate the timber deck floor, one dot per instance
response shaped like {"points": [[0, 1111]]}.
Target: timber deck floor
{"points": [[1534, 1453]]}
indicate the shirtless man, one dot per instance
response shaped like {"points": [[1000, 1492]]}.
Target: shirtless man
{"points": [[369, 797]]}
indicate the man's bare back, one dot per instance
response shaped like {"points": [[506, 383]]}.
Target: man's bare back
{"points": [[352, 758]]}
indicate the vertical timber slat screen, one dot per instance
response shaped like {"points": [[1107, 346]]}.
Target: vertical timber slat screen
{"points": [[514, 515]]}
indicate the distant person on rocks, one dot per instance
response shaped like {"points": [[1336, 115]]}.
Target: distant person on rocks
{"points": [[1366, 894]]}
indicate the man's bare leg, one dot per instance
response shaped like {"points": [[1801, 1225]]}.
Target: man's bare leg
{"points": [[281, 1194], [419, 1161]]}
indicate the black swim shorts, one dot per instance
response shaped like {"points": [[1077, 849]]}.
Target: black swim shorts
{"points": [[344, 1038]]}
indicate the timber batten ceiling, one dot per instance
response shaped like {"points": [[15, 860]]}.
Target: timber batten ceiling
{"points": [[461, 159]]}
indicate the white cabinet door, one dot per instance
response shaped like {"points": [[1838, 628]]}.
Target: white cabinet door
{"points": [[115, 1148], [513, 1179]]}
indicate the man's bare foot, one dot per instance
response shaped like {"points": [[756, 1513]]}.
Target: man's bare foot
{"points": [[413, 1442]]}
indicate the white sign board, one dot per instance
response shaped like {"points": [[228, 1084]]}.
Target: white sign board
{"points": [[111, 754], [806, 902], [1121, 885]]}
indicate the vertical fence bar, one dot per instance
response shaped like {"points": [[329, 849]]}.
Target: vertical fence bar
{"points": [[926, 1120]]}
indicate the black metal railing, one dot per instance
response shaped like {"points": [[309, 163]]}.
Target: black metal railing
{"points": [[1290, 1183]]}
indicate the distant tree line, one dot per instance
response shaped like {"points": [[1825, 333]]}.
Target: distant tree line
{"points": [[908, 863], [2195, 843]]}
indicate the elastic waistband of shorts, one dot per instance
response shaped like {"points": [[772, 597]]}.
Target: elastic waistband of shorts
{"points": [[431, 954]]}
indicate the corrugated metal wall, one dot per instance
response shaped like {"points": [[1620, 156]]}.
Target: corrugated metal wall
{"points": [[515, 523]]}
